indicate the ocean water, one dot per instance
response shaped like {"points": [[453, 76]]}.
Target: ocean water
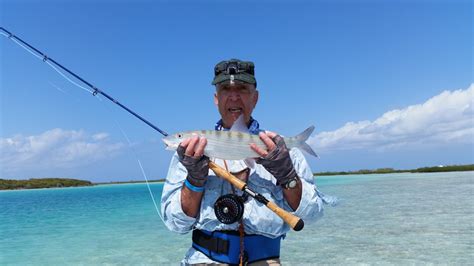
{"points": [[381, 219]]}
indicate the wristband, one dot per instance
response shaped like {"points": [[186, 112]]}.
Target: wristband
{"points": [[192, 187]]}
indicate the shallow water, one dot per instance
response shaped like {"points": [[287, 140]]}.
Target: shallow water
{"points": [[382, 219]]}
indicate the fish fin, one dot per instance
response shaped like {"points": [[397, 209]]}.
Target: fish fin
{"points": [[305, 147], [302, 138], [239, 125]]}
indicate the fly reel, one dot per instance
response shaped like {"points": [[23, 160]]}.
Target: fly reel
{"points": [[229, 208]]}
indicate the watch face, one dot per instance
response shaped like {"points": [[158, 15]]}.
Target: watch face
{"points": [[292, 183]]}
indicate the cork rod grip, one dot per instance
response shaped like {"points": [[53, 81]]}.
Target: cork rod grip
{"points": [[293, 221], [227, 176]]}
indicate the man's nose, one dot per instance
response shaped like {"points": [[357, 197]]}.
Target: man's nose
{"points": [[234, 95]]}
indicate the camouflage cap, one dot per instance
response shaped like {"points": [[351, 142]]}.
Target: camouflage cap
{"points": [[234, 69]]}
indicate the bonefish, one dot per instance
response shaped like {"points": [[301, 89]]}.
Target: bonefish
{"points": [[235, 143]]}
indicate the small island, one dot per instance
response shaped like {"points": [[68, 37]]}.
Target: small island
{"points": [[9, 184], [431, 169]]}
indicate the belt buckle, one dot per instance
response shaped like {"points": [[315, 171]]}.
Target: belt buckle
{"points": [[222, 246]]}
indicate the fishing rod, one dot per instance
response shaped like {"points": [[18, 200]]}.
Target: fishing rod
{"points": [[293, 221], [95, 90]]}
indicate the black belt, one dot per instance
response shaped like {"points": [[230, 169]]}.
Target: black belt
{"points": [[211, 243]]}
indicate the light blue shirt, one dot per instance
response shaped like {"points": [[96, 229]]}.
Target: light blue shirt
{"points": [[257, 218]]}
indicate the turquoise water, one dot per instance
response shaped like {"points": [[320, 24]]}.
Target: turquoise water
{"points": [[382, 219]]}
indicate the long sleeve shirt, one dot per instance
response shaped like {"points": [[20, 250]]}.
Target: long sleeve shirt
{"points": [[257, 218]]}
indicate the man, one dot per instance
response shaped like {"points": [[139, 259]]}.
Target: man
{"points": [[280, 175]]}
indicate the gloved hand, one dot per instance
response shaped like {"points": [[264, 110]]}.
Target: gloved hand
{"points": [[278, 162], [198, 167]]}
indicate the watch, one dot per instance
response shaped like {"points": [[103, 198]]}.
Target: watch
{"points": [[291, 183]]}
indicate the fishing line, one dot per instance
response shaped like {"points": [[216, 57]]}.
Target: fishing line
{"points": [[28, 50], [44, 59], [117, 124], [67, 78], [57, 87], [95, 91]]}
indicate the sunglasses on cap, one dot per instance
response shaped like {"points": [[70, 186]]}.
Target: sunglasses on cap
{"points": [[232, 67]]}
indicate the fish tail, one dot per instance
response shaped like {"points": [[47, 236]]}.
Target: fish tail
{"points": [[301, 141]]}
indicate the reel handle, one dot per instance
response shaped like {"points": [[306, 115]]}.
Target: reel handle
{"points": [[293, 221]]}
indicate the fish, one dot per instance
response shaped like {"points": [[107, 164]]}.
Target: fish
{"points": [[234, 144]]}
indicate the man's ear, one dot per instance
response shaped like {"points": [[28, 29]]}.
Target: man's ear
{"points": [[255, 98], [216, 101]]}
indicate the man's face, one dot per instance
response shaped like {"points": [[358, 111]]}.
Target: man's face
{"points": [[234, 99]]}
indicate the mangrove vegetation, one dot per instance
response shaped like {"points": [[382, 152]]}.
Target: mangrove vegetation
{"points": [[432, 169], [42, 183]]}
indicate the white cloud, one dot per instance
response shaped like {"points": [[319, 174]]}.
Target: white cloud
{"points": [[100, 136], [56, 148], [444, 119]]}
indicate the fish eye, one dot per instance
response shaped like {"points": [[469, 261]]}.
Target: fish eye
{"points": [[180, 136]]}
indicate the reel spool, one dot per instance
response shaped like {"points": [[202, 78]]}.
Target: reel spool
{"points": [[229, 208]]}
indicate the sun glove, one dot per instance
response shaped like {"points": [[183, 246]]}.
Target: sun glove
{"points": [[198, 167], [278, 162]]}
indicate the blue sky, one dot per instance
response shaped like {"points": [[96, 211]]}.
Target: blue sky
{"points": [[386, 83]]}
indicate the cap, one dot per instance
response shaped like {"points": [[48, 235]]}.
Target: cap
{"points": [[234, 69]]}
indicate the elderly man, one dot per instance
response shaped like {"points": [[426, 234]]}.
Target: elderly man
{"points": [[281, 175]]}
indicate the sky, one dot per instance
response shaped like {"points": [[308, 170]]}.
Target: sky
{"points": [[385, 83]]}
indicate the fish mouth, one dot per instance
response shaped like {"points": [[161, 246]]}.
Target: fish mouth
{"points": [[235, 110], [168, 144]]}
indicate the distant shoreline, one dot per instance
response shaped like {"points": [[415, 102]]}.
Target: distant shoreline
{"points": [[42, 183], [33, 183], [130, 182], [36, 183], [432, 169]]}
